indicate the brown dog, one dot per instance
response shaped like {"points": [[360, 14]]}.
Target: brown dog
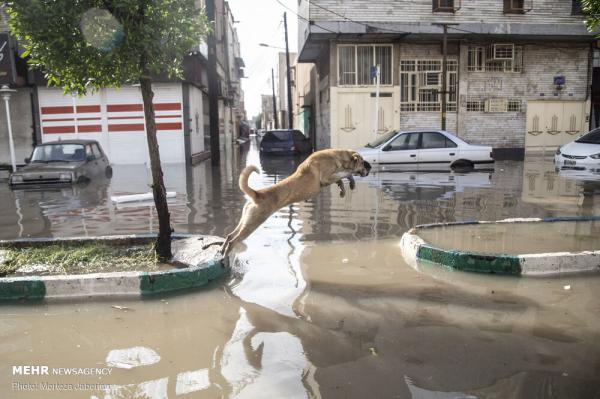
{"points": [[320, 169]]}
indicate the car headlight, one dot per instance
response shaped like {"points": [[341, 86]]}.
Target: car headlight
{"points": [[558, 151], [16, 179], [65, 176], [595, 156]]}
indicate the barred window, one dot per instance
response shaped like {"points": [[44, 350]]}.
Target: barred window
{"points": [[475, 104], [479, 104], [495, 58], [421, 84], [514, 106], [355, 62]]}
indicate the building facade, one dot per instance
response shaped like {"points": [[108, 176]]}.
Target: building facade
{"points": [[518, 72], [115, 117]]}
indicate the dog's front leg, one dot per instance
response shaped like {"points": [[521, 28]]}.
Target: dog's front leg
{"points": [[340, 184], [352, 182]]}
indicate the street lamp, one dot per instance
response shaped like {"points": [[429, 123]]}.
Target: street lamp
{"points": [[290, 111], [5, 93], [268, 45]]}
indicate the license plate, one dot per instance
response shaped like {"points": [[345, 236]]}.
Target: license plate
{"points": [[568, 162]]}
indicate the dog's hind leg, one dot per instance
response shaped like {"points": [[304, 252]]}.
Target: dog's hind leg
{"points": [[340, 184], [250, 222]]}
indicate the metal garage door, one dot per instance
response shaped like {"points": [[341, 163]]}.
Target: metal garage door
{"points": [[115, 117], [551, 124], [356, 118]]}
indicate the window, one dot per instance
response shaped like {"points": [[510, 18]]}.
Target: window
{"points": [[88, 152], [576, 8], [514, 106], [497, 57], [436, 140], [421, 83], [96, 151], [479, 104], [444, 6], [407, 141], [517, 6], [355, 62]]}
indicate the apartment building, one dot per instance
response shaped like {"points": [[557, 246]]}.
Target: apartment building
{"points": [[518, 71]]}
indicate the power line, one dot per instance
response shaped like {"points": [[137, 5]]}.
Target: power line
{"points": [[305, 19]]}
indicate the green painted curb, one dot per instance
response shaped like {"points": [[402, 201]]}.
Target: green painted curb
{"points": [[470, 262], [24, 289], [540, 264], [180, 279]]}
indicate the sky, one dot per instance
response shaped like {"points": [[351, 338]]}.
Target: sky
{"points": [[261, 21]]}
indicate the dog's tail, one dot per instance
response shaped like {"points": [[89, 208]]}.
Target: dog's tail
{"points": [[244, 182]]}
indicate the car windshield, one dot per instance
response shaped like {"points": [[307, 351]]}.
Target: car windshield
{"points": [[277, 135], [592, 137], [381, 140], [59, 153]]}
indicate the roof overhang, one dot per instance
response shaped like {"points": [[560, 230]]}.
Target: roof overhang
{"points": [[319, 34]]}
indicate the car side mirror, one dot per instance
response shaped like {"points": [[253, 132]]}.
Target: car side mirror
{"points": [[387, 147], [27, 160], [89, 158]]}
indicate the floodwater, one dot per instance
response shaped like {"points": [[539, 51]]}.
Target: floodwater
{"points": [[517, 238], [320, 303]]}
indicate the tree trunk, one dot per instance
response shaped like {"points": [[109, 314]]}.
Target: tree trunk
{"points": [[163, 242]]}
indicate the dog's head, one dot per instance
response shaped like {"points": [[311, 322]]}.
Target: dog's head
{"points": [[359, 165]]}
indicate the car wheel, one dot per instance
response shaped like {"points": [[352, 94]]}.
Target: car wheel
{"points": [[108, 172], [462, 165]]}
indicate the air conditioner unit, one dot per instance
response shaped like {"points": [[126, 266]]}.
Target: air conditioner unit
{"points": [[496, 105], [430, 80], [502, 52]]}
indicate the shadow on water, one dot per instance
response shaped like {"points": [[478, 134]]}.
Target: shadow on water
{"points": [[320, 302]]}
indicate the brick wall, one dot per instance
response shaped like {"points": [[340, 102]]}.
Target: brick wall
{"points": [[415, 11]]}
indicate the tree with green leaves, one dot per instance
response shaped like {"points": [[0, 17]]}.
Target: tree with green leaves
{"points": [[85, 45], [591, 9]]}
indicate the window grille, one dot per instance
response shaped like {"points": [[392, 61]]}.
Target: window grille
{"points": [[445, 5], [517, 6], [514, 106], [355, 62], [421, 84], [495, 58], [477, 104]]}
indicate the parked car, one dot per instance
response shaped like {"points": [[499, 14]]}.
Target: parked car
{"points": [[431, 147], [285, 141], [63, 162], [584, 152]]}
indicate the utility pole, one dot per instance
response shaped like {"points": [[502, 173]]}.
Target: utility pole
{"points": [[444, 92], [213, 86], [289, 80], [274, 101]]}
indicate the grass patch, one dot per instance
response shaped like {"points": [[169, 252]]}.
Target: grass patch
{"points": [[77, 259]]}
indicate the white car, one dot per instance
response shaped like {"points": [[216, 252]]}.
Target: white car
{"points": [[583, 152], [431, 147]]}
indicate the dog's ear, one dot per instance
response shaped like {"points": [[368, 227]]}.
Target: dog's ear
{"points": [[356, 159]]}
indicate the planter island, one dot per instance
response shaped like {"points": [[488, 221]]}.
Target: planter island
{"points": [[48, 268]]}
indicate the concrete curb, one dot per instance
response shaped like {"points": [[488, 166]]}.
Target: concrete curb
{"points": [[540, 264], [131, 284]]}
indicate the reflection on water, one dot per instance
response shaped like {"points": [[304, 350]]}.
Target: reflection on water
{"points": [[320, 302]]}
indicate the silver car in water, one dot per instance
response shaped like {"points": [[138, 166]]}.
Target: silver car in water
{"points": [[63, 162]]}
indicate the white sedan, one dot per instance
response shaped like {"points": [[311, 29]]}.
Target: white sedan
{"points": [[432, 147], [583, 152]]}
